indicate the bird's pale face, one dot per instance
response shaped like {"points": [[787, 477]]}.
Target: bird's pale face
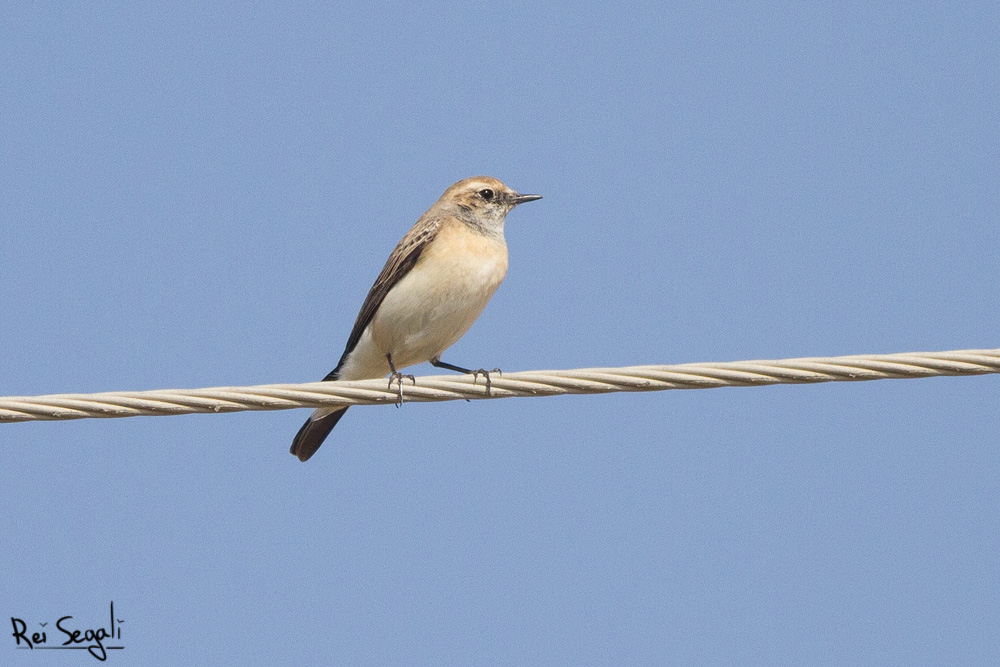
{"points": [[485, 197], [483, 200]]}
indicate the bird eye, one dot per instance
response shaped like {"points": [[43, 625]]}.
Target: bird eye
{"points": [[486, 194]]}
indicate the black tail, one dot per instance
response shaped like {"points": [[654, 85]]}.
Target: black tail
{"points": [[313, 433]]}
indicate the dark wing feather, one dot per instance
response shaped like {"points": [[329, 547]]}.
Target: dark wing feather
{"points": [[403, 257]]}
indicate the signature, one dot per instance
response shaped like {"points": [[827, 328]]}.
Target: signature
{"points": [[91, 640]]}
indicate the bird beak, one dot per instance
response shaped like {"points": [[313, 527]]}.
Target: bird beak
{"points": [[520, 199]]}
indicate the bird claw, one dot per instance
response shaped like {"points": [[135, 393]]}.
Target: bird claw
{"points": [[398, 377], [486, 374]]}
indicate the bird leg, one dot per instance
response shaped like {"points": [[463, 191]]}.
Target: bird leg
{"points": [[398, 377], [437, 363]]}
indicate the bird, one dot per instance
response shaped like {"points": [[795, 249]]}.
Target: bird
{"points": [[433, 287]]}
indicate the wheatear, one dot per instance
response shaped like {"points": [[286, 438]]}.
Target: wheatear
{"points": [[433, 287]]}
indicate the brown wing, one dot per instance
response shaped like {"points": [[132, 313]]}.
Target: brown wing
{"points": [[402, 259]]}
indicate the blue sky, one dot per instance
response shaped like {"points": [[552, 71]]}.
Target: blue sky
{"points": [[201, 194]]}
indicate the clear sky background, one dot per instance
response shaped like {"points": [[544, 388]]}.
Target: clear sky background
{"points": [[199, 194]]}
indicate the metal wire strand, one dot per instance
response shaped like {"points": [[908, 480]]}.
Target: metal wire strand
{"points": [[507, 385]]}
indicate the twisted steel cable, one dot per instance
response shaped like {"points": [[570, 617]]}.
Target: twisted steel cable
{"points": [[163, 402]]}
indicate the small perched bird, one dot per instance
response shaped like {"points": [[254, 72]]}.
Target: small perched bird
{"points": [[435, 284]]}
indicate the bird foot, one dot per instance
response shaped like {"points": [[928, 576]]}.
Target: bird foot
{"points": [[398, 377], [486, 374]]}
